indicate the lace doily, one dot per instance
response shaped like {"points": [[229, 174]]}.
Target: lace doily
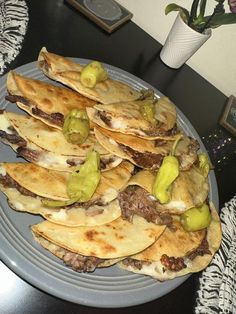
{"points": [[13, 24], [217, 291]]}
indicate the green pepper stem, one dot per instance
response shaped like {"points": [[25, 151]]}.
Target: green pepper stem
{"points": [[172, 153]]}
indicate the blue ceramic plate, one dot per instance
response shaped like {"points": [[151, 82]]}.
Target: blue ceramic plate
{"points": [[110, 287]]}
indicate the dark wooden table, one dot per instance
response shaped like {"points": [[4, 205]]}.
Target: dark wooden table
{"points": [[63, 30]]}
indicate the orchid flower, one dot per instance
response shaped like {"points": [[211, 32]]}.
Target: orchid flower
{"points": [[196, 19], [232, 5]]}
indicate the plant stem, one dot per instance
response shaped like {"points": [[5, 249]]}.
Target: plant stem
{"points": [[219, 9], [193, 12]]}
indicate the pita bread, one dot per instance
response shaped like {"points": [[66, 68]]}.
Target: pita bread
{"points": [[46, 146], [68, 72], [45, 101], [178, 244], [127, 118]]}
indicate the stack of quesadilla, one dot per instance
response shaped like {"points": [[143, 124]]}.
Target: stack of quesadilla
{"points": [[122, 221]]}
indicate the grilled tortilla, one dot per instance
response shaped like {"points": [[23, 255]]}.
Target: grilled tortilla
{"points": [[44, 101], [68, 72], [190, 189], [25, 185], [76, 261], [127, 118], [178, 252], [146, 154], [116, 239], [46, 146]]}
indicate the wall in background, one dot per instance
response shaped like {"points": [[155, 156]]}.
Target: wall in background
{"points": [[216, 59]]}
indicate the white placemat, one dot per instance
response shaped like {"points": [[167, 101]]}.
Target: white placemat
{"points": [[13, 24], [217, 290]]}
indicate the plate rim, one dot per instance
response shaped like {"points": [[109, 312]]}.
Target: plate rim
{"points": [[112, 300]]}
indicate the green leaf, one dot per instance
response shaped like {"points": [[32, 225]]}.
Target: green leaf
{"points": [[223, 19], [174, 7]]}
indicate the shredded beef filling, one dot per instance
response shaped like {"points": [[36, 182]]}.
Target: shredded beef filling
{"points": [[136, 200], [81, 263], [104, 162], [201, 250], [177, 263], [29, 154], [135, 263], [56, 117], [7, 181], [104, 117], [145, 160], [13, 138], [16, 98], [173, 263]]}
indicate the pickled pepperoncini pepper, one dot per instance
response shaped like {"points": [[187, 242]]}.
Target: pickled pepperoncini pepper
{"points": [[147, 110], [166, 175], [76, 127], [92, 74], [196, 218], [204, 164], [82, 183]]}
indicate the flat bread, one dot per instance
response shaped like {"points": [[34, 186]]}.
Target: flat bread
{"points": [[189, 189], [178, 244], [46, 146], [44, 101], [146, 154], [68, 72], [116, 239], [127, 118]]}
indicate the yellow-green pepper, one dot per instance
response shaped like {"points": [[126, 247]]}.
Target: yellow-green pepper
{"points": [[93, 73], [76, 127], [196, 218], [147, 110], [204, 164], [166, 175], [82, 183]]}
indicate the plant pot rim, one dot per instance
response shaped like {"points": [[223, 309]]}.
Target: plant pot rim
{"points": [[207, 32]]}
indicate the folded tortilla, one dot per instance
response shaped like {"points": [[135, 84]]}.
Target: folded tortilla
{"points": [[178, 252], [127, 118], [68, 72], [116, 239], [147, 154], [25, 185], [189, 189], [86, 264], [44, 101], [46, 146]]}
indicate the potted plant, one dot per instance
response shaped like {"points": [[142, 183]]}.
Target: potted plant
{"points": [[192, 28]]}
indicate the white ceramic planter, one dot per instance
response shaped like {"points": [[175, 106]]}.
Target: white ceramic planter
{"points": [[181, 43]]}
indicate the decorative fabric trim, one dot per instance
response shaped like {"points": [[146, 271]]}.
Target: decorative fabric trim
{"points": [[13, 25], [217, 291]]}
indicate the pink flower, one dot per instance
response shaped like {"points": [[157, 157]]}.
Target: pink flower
{"points": [[232, 5]]}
